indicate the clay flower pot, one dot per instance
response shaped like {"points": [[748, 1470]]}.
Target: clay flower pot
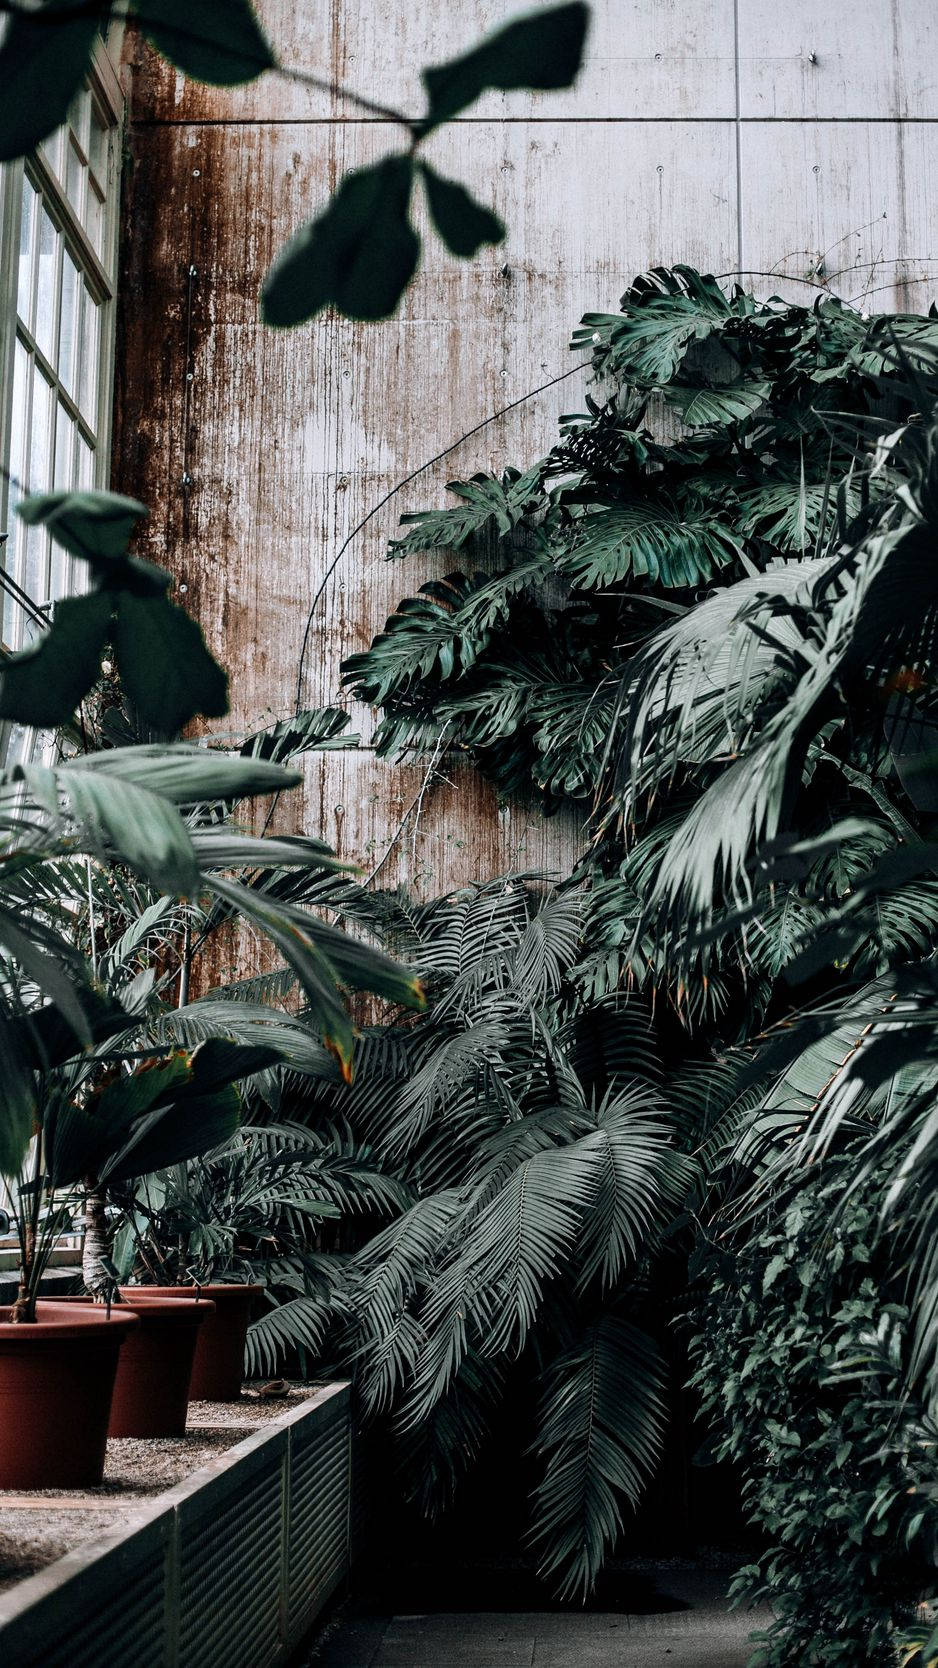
{"points": [[219, 1353], [56, 1384], [151, 1391]]}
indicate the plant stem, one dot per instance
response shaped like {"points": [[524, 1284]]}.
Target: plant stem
{"points": [[96, 1244]]}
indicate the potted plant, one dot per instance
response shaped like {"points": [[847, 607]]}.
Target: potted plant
{"points": [[237, 1226], [119, 811], [168, 1109], [58, 1362]]}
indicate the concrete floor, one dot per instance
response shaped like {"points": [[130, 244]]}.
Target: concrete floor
{"points": [[703, 1635]]}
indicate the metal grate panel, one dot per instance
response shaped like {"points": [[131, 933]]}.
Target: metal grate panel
{"points": [[230, 1562], [318, 1541], [107, 1612], [227, 1570]]}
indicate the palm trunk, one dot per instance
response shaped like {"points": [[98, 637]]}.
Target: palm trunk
{"points": [[96, 1245], [24, 1308]]}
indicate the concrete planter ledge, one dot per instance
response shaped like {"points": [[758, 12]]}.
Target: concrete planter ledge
{"points": [[228, 1569]]}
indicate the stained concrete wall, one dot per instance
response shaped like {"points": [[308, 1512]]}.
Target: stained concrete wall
{"points": [[796, 143]]}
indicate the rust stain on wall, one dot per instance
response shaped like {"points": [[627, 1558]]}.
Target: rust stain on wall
{"points": [[289, 439]]}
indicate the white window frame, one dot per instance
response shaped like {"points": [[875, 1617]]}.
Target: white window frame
{"points": [[99, 273]]}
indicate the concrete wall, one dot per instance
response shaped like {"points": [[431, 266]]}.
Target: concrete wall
{"points": [[797, 139]]}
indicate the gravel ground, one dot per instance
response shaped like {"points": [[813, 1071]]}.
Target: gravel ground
{"points": [[38, 1526]]}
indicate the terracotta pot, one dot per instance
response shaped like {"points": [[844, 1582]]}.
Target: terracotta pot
{"points": [[151, 1390], [56, 1384], [219, 1353]]}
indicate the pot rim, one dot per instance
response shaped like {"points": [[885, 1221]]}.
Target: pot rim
{"points": [[193, 1293], [59, 1321], [134, 1299]]}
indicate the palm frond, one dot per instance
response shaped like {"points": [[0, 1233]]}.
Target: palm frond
{"points": [[600, 1431]]}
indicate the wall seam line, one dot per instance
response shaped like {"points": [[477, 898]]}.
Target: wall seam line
{"points": [[739, 137], [738, 121]]}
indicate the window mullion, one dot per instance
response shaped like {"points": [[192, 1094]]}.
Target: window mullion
{"points": [[67, 223]]}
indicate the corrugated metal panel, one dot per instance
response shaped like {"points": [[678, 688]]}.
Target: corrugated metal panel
{"points": [[230, 1561], [107, 1609], [131, 1628], [320, 1507], [229, 1571]]}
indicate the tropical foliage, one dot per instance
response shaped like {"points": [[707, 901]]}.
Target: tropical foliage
{"points": [[729, 654], [117, 871], [535, 1157]]}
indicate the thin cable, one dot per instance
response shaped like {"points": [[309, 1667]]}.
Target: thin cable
{"points": [[391, 493], [24, 599]]}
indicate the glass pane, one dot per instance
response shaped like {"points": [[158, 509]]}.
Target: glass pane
{"points": [[37, 541], [85, 461], [90, 338], [68, 323], [37, 475], [98, 145], [24, 285], [94, 217], [18, 423], [12, 550], [74, 179], [79, 118], [36, 565], [62, 476], [18, 749], [44, 328], [80, 575], [53, 150]]}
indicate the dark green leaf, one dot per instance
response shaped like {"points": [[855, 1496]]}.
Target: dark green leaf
{"points": [[358, 256], [186, 774], [96, 526], [45, 1037], [319, 728], [136, 826], [128, 1097], [43, 60], [184, 1130], [17, 1102], [542, 50], [221, 1061], [218, 41], [166, 670], [463, 224], [54, 975], [46, 683]]}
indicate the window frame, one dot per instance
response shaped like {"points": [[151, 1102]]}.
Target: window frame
{"points": [[105, 87]]}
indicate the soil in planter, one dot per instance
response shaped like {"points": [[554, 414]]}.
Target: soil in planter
{"points": [[136, 1469]]}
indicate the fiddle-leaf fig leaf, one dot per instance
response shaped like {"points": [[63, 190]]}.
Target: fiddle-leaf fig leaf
{"points": [[96, 526], [217, 41], [43, 61], [358, 256], [45, 684], [463, 224], [542, 50], [166, 670]]}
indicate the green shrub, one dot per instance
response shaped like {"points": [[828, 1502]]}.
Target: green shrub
{"points": [[800, 1354]]}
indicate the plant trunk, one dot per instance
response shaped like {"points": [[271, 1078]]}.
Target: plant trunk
{"points": [[24, 1308], [96, 1245]]}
